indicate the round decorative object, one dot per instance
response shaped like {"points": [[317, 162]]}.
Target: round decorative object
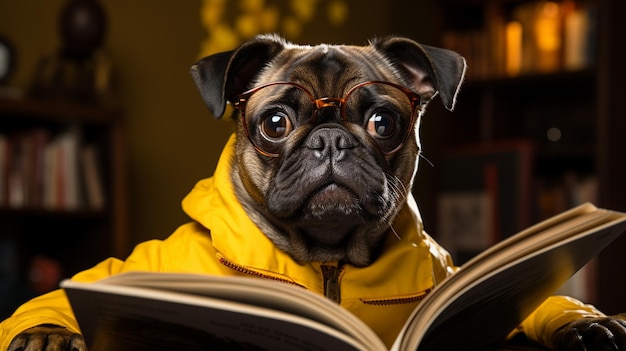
{"points": [[7, 59], [82, 27]]}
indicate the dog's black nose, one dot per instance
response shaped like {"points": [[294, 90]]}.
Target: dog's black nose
{"points": [[330, 141]]}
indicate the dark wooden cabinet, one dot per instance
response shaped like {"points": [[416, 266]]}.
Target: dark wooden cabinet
{"points": [[53, 223]]}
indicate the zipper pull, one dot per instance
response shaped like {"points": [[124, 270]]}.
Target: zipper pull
{"points": [[331, 282]]}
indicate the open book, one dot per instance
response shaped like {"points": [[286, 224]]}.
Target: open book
{"points": [[499, 288]]}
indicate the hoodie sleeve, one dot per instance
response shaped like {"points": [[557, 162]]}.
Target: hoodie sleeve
{"points": [[54, 308], [188, 249], [554, 313]]}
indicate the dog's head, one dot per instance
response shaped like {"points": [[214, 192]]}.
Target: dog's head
{"points": [[327, 143]]}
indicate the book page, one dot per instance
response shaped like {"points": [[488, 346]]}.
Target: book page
{"points": [[258, 292], [115, 317], [501, 293]]}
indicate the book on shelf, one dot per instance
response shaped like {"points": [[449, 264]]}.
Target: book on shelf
{"points": [[40, 169], [5, 154], [93, 177], [21, 163], [63, 189], [160, 311], [579, 32], [530, 37]]}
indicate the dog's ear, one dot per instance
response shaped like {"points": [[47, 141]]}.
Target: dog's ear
{"points": [[428, 69], [221, 77]]}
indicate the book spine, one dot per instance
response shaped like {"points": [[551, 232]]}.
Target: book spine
{"points": [[5, 153], [93, 178]]}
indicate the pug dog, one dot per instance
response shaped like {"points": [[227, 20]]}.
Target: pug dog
{"points": [[326, 152], [336, 124]]}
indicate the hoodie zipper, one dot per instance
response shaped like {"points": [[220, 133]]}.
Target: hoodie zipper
{"points": [[244, 270], [331, 274], [332, 289], [398, 300]]}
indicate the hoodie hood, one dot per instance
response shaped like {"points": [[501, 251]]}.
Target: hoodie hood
{"points": [[213, 204]]}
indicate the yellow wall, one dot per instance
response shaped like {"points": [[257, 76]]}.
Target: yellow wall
{"points": [[172, 140]]}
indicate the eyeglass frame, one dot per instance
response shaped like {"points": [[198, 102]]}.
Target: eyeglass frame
{"points": [[414, 98]]}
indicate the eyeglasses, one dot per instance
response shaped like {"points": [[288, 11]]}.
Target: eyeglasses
{"points": [[387, 112]]}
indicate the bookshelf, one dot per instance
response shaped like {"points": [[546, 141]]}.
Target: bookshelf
{"points": [[63, 202], [565, 101]]}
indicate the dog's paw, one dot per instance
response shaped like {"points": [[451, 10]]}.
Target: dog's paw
{"points": [[587, 334], [48, 337]]}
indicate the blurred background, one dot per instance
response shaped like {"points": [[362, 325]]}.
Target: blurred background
{"points": [[102, 131]]}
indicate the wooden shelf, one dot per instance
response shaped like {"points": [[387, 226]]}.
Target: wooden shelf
{"points": [[56, 110], [41, 213], [73, 237], [578, 78], [587, 104]]}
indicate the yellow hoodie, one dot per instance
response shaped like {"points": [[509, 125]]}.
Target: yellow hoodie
{"points": [[222, 240]]}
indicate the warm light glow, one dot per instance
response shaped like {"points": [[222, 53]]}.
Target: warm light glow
{"points": [[513, 48], [304, 10], [337, 12], [547, 27], [252, 17], [576, 27]]}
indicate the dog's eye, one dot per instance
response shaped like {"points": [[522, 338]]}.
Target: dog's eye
{"points": [[276, 125], [381, 125]]}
